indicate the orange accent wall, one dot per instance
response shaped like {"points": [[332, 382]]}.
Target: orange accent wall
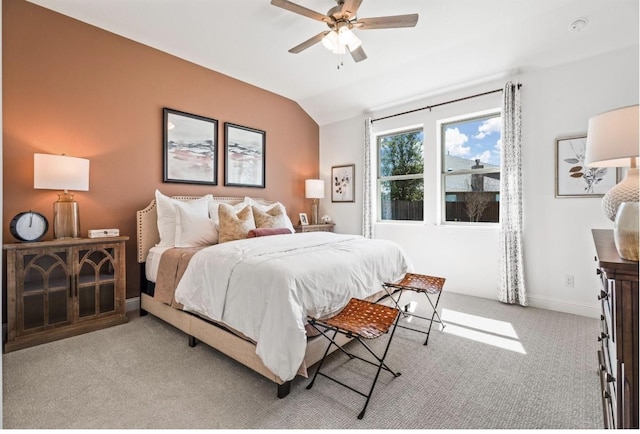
{"points": [[72, 88]]}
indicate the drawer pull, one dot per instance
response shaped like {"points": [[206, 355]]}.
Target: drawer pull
{"points": [[605, 394], [603, 295], [601, 317], [610, 378], [602, 336], [598, 271]]}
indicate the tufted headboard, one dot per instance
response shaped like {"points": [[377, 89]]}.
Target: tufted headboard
{"points": [[147, 222]]}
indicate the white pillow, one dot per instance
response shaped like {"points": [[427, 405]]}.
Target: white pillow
{"points": [[165, 207], [266, 207], [193, 229]]}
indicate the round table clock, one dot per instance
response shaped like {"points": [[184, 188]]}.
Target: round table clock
{"points": [[29, 226]]}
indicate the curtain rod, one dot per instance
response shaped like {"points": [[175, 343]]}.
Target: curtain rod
{"points": [[441, 103]]}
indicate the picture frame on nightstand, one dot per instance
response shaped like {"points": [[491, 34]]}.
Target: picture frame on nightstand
{"points": [[304, 221]]}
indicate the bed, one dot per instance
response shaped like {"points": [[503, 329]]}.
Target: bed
{"points": [[249, 297]]}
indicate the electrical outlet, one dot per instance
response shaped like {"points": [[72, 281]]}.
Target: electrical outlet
{"points": [[568, 280]]}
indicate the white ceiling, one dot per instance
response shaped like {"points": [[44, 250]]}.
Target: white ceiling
{"points": [[456, 43]]}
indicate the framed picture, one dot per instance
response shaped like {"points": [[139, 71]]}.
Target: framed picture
{"points": [[573, 178], [343, 187], [244, 156], [304, 221], [190, 148]]}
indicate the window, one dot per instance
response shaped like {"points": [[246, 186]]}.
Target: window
{"points": [[401, 175], [471, 152]]}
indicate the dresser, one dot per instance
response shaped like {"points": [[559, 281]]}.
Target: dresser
{"points": [[618, 352], [57, 289], [328, 227]]}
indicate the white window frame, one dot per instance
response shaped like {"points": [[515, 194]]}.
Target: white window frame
{"points": [[441, 153], [380, 180]]}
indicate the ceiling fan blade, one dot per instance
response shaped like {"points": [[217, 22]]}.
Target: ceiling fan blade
{"points": [[285, 4], [358, 54], [309, 42], [350, 8], [387, 22]]}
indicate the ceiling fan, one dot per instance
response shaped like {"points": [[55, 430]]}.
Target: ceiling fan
{"points": [[341, 19]]}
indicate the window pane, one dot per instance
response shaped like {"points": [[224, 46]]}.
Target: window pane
{"points": [[467, 145], [401, 154], [402, 200], [472, 198], [472, 144]]}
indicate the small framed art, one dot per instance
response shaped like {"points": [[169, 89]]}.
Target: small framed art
{"points": [[343, 187], [304, 221], [244, 156], [190, 146], [573, 177]]}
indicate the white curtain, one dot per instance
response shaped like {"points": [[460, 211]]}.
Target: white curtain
{"points": [[367, 218], [512, 287]]}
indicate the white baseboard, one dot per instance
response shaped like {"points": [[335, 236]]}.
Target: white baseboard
{"points": [[132, 304], [591, 310]]}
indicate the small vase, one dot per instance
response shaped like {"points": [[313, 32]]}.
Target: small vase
{"points": [[625, 232]]}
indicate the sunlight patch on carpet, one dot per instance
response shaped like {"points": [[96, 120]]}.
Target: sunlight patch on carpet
{"points": [[488, 331]]}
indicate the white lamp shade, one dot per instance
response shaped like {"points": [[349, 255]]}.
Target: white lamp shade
{"points": [[314, 188], [612, 138], [60, 172]]}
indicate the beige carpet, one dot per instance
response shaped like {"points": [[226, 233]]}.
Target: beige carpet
{"points": [[494, 366]]}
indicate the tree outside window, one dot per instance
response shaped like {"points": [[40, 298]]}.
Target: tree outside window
{"points": [[401, 176], [471, 152]]}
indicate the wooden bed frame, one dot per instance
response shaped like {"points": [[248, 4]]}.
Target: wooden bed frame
{"points": [[198, 328]]}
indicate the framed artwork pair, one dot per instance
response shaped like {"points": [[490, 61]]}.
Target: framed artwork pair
{"points": [[190, 147]]}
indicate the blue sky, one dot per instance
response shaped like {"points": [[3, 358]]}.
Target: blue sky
{"points": [[480, 138]]}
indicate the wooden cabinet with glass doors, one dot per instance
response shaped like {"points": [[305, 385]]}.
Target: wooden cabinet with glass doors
{"points": [[57, 289]]}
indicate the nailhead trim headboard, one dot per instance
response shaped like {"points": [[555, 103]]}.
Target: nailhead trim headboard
{"points": [[147, 222]]}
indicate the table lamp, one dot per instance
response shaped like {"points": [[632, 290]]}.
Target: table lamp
{"points": [[314, 189], [61, 172], [612, 141]]}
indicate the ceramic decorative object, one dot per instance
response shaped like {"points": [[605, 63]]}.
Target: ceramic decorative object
{"points": [[625, 232]]}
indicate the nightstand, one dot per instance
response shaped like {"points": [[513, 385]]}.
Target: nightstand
{"points": [[62, 288], [314, 228]]}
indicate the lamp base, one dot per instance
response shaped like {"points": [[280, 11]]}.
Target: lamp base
{"points": [[624, 191], [314, 212], [625, 232], [66, 217]]}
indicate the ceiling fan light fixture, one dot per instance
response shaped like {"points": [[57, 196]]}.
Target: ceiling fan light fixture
{"points": [[344, 35], [354, 43], [330, 41], [339, 49]]}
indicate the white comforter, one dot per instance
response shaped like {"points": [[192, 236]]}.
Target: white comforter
{"points": [[266, 286]]}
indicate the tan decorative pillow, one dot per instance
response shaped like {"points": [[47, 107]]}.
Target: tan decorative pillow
{"points": [[270, 218], [257, 203], [232, 225]]}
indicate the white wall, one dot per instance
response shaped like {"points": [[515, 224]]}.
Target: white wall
{"points": [[556, 102]]}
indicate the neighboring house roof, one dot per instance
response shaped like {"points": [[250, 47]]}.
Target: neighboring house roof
{"points": [[462, 183]]}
